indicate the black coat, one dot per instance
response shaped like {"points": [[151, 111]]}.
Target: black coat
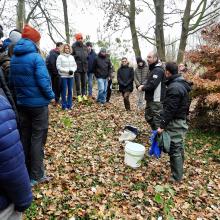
{"points": [[51, 62], [80, 53], [91, 58], [176, 103], [155, 85], [125, 78], [102, 67], [7, 92]]}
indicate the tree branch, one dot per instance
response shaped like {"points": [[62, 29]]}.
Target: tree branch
{"points": [[32, 11], [197, 9]]}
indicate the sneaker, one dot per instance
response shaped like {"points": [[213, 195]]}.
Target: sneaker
{"points": [[79, 97], [85, 98]]}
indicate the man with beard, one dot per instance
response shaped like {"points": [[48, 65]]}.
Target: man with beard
{"points": [[154, 91], [80, 53]]}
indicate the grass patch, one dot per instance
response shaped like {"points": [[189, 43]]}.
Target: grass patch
{"points": [[32, 211], [206, 141]]}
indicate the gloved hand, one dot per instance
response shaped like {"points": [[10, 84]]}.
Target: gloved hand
{"points": [[70, 72]]}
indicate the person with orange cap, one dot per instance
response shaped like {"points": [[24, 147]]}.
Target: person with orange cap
{"points": [[80, 53], [30, 80]]}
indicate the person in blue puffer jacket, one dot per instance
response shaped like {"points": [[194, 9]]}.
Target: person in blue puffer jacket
{"points": [[15, 188], [31, 81]]}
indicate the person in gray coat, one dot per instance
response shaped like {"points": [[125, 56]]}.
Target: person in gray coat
{"points": [[141, 74]]}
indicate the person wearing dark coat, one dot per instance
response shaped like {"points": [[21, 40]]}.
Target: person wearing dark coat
{"points": [[173, 117], [15, 188], [125, 76], [52, 69], [109, 87], [80, 53], [91, 58], [31, 81], [7, 92], [102, 70], [154, 89]]}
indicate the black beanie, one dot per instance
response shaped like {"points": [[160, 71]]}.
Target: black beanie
{"points": [[88, 44], [139, 59]]}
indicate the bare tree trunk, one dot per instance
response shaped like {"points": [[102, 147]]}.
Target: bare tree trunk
{"points": [[66, 21], [185, 31], [20, 14], [133, 29], [159, 32]]}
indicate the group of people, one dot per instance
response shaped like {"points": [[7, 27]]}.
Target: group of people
{"points": [[79, 64], [167, 102], [28, 85]]}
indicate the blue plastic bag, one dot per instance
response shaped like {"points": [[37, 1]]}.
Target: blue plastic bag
{"points": [[155, 150]]}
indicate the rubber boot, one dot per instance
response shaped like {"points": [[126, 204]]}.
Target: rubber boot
{"points": [[176, 162]]}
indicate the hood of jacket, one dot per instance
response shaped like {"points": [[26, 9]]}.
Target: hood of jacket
{"points": [[25, 46], [180, 79], [101, 55], [151, 66], [141, 67]]}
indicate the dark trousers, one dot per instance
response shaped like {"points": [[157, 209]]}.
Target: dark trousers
{"points": [[177, 129], [126, 96], [109, 90], [80, 80], [34, 128], [152, 114], [56, 86]]}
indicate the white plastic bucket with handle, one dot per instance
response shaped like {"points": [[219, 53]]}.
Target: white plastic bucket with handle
{"points": [[134, 153]]}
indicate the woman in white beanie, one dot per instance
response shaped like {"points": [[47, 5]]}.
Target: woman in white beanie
{"points": [[66, 66]]}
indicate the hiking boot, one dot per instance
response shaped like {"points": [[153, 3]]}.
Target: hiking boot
{"points": [[42, 180], [79, 97], [85, 98]]}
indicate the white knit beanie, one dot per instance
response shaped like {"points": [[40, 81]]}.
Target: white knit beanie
{"points": [[15, 36]]}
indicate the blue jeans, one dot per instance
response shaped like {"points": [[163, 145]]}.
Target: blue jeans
{"points": [[67, 84], [102, 90], [90, 76]]}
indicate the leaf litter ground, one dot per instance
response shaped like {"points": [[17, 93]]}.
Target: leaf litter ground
{"points": [[91, 181]]}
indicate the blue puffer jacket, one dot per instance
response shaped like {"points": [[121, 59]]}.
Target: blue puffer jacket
{"points": [[14, 180], [29, 76]]}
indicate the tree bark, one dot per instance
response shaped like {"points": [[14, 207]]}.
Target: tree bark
{"points": [[20, 14], [185, 31], [159, 32], [66, 21], [133, 29]]}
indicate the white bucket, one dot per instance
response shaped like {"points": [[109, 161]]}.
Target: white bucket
{"points": [[134, 153]]}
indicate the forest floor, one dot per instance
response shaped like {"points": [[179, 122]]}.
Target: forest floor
{"points": [[91, 181]]}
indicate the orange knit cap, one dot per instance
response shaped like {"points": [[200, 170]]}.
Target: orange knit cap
{"points": [[30, 33], [78, 36]]}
